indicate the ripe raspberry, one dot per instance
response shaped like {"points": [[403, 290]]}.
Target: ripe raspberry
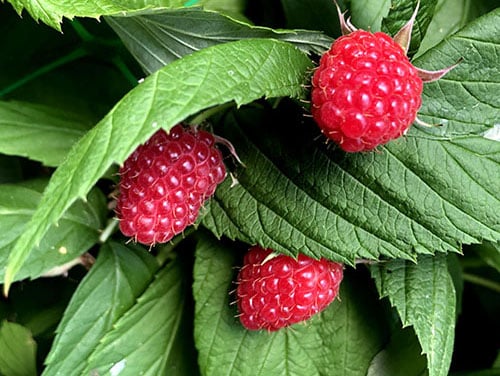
{"points": [[365, 91], [280, 291], [165, 182]]}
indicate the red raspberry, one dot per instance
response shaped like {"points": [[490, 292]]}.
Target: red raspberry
{"points": [[276, 292], [165, 182], [365, 91]]}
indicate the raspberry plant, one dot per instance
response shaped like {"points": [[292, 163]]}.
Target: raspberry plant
{"points": [[415, 222]]}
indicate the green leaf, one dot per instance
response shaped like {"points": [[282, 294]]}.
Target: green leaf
{"points": [[234, 8], [240, 71], [368, 14], [424, 296], [77, 230], [296, 195], [401, 356], [159, 38], [400, 13], [343, 336], [462, 99], [38, 132], [109, 290], [52, 13], [449, 16], [144, 340], [17, 350]]}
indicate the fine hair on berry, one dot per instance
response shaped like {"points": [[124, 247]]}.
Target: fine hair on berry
{"points": [[165, 182], [275, 291]]}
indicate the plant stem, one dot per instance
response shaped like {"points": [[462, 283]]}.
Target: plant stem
{"points": [[81, 31], [124, 70], [74, 55], [480, 281]]}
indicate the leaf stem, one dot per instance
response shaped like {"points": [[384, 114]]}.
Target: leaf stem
{"points": [[74, 55], [81, 31], [108, 230], [124, 70], [480, 281]]}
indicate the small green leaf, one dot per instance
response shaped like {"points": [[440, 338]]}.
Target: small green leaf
{"points": [[400, 13], [77, 231], [234, 8], [240, 71], [462, 100], [38, 132], [343, 336], [424, 297], [401, 356], [368, 14], [143, 341], [17, 350], [52, 13], [449, 16], [112, 286], [157, 39]]}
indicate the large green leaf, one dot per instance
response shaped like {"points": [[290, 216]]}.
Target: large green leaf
{"points": [[408, 198], [77, 230], [424, 297], [159, 38], [110, 289], [146, 339], [240, 71], [341, 341], [55, 131], [462, 100], [17, 350], [295, 196]]}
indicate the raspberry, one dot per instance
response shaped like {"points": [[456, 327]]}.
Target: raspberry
{"points": [[275, 292], [165, 182], [365, 91]]}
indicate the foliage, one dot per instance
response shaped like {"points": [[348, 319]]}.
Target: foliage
{"points": [[416, 222]]}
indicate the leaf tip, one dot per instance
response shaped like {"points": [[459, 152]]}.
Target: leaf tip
{"points": [[7, 282]]}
